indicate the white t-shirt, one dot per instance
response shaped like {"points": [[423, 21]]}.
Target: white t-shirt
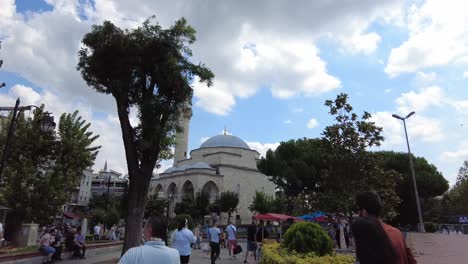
{"points": [[231, 230], [151, 252], [214, 234], [1, 228], [97, 230]]}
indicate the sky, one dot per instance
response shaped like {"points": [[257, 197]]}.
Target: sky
{"points": [[275, 64]]}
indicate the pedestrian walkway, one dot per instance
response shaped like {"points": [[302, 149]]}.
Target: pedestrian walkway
{"points": [[430, 248], [197, 257]]}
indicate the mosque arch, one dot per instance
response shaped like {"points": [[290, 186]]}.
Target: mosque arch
{"points": [[172, 191], [212, 189], [159, 191], [187, 189]]}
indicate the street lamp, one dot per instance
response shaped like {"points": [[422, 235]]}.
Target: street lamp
{"points": [[421, 222], [47, 125]]}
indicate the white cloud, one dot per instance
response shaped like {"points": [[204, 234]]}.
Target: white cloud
{"points": [[419, 101], [287, 122], [426, 78], [465, 75], [437, 37], [263, 148], [298, 110], [419, 128], [458, 155], [388, 91], [312, 123], [461, 106]]}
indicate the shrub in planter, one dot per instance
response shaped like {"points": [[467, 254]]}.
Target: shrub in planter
{"points": [[307, 237], [274, 254]]}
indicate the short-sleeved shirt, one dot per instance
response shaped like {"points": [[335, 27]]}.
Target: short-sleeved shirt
{"points": [[231, 230], [1, 228], [97, 230], [214, 234], [181, 241], [45, 240], [79, 238], [151, 252]]}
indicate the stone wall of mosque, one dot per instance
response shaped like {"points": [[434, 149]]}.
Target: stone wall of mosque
{"points": [[245, 182]]}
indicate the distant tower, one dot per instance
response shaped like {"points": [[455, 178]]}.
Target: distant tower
{"points": [[181, 145], [105, 166]]}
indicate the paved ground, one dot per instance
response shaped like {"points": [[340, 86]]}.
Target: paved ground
{"points": [[197, 257], [439, 248]]}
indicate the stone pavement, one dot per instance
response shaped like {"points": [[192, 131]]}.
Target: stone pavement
{"points": [[431, 248], [197, 257]]}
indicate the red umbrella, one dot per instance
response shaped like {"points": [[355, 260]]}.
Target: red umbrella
{"points": [[276, 217]]}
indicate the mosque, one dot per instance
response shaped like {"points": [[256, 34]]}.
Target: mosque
{"points": [[222, 163]]}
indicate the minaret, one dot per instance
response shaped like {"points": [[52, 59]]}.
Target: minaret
{"points": [[181, 145]]}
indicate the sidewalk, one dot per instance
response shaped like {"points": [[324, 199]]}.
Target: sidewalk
{"points": [[431, 248]]}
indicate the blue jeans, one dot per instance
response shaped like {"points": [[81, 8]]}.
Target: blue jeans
{"points": [[48, 250]]}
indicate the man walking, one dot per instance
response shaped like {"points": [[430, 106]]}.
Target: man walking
{"points": [[232, 239], [370, 205], [97, 231], [251, 245], [213, 236]]}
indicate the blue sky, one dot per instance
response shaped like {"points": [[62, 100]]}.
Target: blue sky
{"points": [[275, 65]]}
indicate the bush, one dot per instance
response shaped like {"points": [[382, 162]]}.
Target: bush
{"points": [[174, 222], [307, 237], [431, 227], [274, 254]]}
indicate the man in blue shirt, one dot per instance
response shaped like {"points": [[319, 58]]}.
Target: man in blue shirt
{"points": [[154, 250], [213, 236]]}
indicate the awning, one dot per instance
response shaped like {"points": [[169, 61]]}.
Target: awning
{"points": [[71, 215], [276, 217]]}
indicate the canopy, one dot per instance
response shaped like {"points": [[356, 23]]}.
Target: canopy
{"points": [[317, 216], [276, 217]]}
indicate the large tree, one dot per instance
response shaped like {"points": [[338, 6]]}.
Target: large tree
{"points": [[352, 168], [228, 202], [42, 169], [455, 202], [431, 184], [147, 68]]}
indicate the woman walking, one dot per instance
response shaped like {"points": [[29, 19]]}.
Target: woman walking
{"points": [[181, 239]]}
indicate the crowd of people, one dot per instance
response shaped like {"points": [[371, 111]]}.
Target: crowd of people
{"points": [[53, 239], [374, 240]]}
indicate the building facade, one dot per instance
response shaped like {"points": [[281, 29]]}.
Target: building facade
{"points": [[221, 163]]}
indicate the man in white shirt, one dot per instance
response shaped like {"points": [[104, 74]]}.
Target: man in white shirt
{"points": [[213, 237], [97, 231], [232, 239], [154, 250]]}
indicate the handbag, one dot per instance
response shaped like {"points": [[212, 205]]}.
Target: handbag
{"points": [[237, 249]]}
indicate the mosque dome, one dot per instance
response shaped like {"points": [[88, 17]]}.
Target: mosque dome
{"points": [[224, 141]]}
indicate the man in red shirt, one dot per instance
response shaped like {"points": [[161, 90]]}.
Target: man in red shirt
{"points": [[369, 204]]}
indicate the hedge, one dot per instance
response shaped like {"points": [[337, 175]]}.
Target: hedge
{"points": [[308, 237], [274, 254]]}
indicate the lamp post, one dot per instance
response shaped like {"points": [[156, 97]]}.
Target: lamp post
{"points": [[47, 125], [421, 222]]}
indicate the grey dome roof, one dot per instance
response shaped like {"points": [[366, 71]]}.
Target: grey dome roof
{"points": [[198, 165], [224, 141]]}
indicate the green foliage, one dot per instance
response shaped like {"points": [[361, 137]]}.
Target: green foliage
{"points": [[105, 211], [201, 206], [455, 202], [43, 169], [228, 202], [262, 203], [307, 237], [185, 206], [274, 254], [148, 68], [156, 206], [431, 227], [431, 184], [351, 168], [178, 219]]}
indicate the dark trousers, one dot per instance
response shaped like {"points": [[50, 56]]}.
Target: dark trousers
{"points": [[184, 259], [58, 253], [214, 251], [77, 249], [96, 237]]}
